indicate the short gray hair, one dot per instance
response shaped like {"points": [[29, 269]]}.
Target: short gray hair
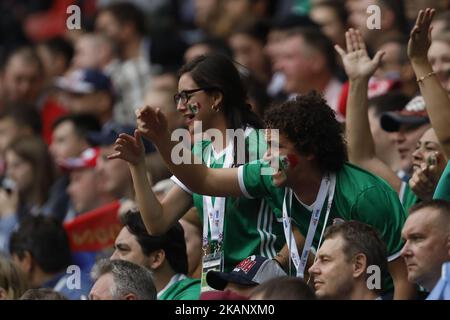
{"points": [[128, 278]]}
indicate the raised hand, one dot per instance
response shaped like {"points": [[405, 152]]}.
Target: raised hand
{"points": [[420, 36], [423, 182], [152, 123], [356, 61], [128, 148]]}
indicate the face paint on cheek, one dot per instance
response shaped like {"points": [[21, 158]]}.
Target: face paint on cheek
{"points": [[194, 108], [293, 160], [288, 161]]}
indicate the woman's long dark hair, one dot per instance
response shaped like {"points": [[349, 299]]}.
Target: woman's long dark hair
{"points": [[218, 71]]}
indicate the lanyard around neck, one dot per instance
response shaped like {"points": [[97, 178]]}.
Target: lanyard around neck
{"points": [[327, 186]]}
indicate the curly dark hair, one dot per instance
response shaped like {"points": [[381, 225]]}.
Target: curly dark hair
{"points": [[311, 125]]}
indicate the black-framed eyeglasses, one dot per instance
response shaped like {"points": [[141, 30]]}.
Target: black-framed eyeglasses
{"points": [[185, 95]]}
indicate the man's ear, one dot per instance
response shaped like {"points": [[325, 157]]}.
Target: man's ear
{"points": [[157, 258], [130, 296], [104, 101], [3, 294], [25, 263], [218, 98], [359, 265]]}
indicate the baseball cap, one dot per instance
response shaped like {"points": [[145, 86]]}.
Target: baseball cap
{"points": [[221, 295], [87, 159], [84, 81], [251, 271], [110, 132], [414, 113]]}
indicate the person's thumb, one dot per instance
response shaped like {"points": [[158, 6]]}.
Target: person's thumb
{"points": [[378, 57], [138, 137]]}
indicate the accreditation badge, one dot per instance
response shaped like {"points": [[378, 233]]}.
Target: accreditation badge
{"points": [[211, 262]]}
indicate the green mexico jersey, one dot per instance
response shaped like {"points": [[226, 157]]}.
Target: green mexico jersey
{"points": [[359, 195], [443, 188], [250, 225], [407, 196], [184, 289]]}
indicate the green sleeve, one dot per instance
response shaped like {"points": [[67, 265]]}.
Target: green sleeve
{"points": [[443, 188], [254, 180], [409, 198], [191, 292], [382, 209]]}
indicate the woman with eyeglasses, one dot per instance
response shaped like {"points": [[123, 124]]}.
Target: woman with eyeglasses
{"points": [[212, 99]]}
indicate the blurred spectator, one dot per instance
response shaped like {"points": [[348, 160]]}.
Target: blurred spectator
{"points": [[395, 65], [427, 247], [439, 57], [70, 135], [20, 77], [40, 247], [17, 121], [345, 261], [237, 10], [283, 288], [331, 16], [279, 30], [121, 280], [413, 7], [56, 56], [206, 46], [42, 294], [167, 80], [85, 188], [246, 276], [114, 174], [31, 172], [69, 140], [441, 23], [88, 91], [392, 19], [258, 97], [13, 282], [163, 99], [29, 165], [385, 146], [124, 23], [94, 51], [409, 125], [164, 255], [247, 41], [206, 15], [308, 62]]}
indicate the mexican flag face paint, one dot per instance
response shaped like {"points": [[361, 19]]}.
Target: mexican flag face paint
{"points": [[194, 108], [288, 161]]}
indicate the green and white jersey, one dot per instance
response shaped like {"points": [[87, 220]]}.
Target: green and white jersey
{"points": [[359, 195], [407, 197], [443, 188], [181, 288], [250, 226]]}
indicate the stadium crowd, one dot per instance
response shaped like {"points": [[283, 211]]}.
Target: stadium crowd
{"points": [[218, 149]]}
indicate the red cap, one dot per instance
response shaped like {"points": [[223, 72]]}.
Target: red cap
{"points": [[87, 159]]}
